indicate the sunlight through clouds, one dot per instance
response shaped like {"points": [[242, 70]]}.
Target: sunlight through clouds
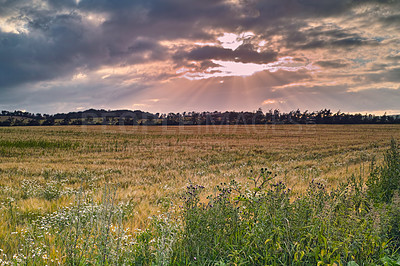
{"points": [[309, 54], [233, 41], [229, 68]]}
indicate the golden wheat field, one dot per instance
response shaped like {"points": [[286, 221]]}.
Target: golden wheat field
{"points": [[152, 165]]}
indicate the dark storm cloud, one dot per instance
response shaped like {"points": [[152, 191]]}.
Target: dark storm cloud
{"points": [[159, 19], [7, 5], [391, 20], [24, 59], [244, 54], [59, 44], [320, 37], [57, 39], [66, 38], [55, 47]]}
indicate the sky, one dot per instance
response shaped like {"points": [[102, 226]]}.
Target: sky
{"points": [[200, 55]]}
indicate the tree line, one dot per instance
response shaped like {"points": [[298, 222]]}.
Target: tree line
{"points": [[137, 117]]}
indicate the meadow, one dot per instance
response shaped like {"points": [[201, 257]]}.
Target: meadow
{"points": [[105, 195]]}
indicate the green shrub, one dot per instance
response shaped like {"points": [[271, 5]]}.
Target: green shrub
{"points": [[263, 224]]}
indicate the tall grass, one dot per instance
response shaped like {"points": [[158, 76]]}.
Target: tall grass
{"points": [[261, 222], [384, 180], [264, 225]]}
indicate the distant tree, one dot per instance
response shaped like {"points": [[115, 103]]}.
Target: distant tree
{"points": [[195, 118], [76, 122], [48, 122], [383, 119], [150, 120], [105, 121], [258, 117], [7, 123], [33, 122], [66, 121]]}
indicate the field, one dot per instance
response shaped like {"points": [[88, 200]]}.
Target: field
{"points": [[44, 170]]}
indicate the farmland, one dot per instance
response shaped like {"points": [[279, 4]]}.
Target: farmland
{"points": [[147, 168]]}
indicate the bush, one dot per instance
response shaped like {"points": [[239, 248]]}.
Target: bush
{"points": [[265, 225]]}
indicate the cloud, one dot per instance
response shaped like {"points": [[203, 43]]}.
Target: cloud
{"points": [[127, 47], [322, 37], [244, 54], [392, 20], [390, 75], [332, 63]]}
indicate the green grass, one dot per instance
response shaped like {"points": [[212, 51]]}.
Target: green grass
{"points": [[43, 144]]}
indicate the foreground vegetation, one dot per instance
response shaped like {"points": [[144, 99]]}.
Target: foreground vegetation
{"points": [[92, 196]]}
